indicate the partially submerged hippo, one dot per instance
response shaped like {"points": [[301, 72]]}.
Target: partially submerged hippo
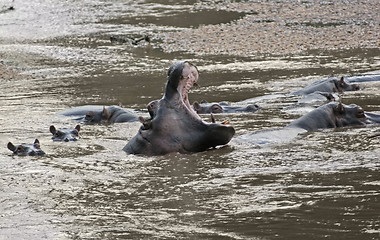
{"points": [[25, 149], [222, 107], [329, 85], [330, 115], [175, 126], [99, 114], [333, 115], [65, 134], [365, 77]]}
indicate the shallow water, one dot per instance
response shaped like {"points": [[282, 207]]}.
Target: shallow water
{"points": [[322, 184]]}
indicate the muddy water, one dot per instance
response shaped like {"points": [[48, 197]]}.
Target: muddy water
{"points": [[323, 184]]}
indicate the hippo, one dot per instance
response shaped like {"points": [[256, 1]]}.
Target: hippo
{"points": [[222, 107], [365, 77], [334, 115], [26, 149], [329, 85], [121, 40], [330, 115], [92, 114], [175, 126], [64, 134]]}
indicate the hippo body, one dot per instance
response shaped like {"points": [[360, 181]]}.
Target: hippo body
{"points": [[175, 126], [25, 149], [334, 115], [222, 107], [65, 134], [329, 85], [92, 114], [365, 77]]}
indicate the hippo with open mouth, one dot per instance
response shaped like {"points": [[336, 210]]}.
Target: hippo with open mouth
{"points": [[175, 126]]}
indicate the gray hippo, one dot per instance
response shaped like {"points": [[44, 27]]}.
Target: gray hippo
{"points": [[330, 115], [92, 114], [175, 126], [121, 40], [25, 149], [333, 115], [365, 77], [222, 107], [64, 134], [329, 85]]}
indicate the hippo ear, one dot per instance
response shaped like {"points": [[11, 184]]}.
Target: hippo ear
{"points": [[52, 129], [36, 144], [341, 80], [11, 147], [204, 101], [105, 113], [196, 106], [89, 115], [340, 108], [141, 119], [77, 127]]}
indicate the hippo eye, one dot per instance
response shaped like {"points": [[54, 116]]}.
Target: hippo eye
{"points": [[216, 109], [20, 150], [360, 113]]}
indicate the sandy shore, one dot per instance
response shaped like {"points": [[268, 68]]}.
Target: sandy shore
{"points": [[7, 73], [282, 27]]}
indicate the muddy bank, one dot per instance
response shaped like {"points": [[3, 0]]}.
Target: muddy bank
{"points": [[277, 28]]}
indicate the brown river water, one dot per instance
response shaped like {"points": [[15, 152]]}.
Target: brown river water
{"points": [[320, 185]]}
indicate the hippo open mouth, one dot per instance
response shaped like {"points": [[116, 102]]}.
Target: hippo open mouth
{"points": [[188, 79], [174, 126]]}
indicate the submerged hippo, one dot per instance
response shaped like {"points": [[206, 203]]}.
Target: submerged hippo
{"points": [[175, 126], [365, 77], [330, 115], [25, 149], [99, 114], [333, 115], [64, 134], [329, 85], [222, 107]]}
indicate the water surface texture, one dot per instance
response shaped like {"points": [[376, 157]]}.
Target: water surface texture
{"points": [[319, 185]]}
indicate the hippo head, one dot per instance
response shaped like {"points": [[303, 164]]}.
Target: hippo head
{"points": [[65, 134], [175, 126], [97, 116], [341, 85], [354, 115], [205, 107], [26, 149]]}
